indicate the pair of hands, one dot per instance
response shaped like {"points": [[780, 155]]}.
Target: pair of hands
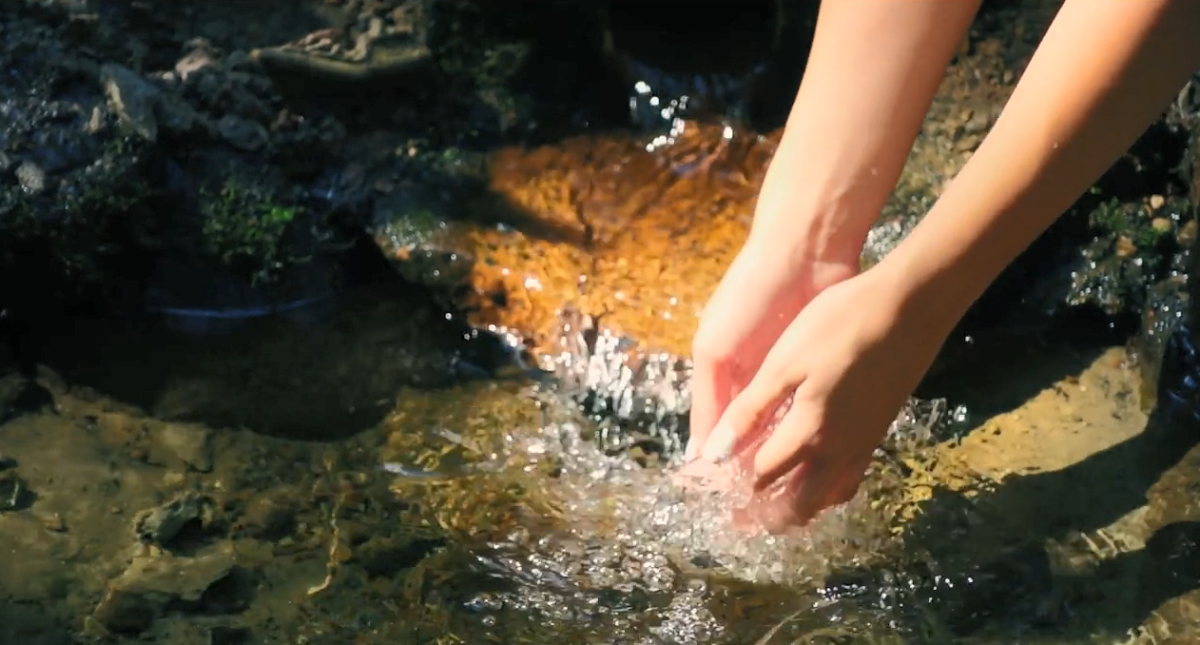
{"points": [[846, 347]]}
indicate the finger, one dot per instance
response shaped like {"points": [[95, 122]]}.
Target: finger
{"points": [[712, 388], [792, 502], [848, 483], [794, 437], [702, 476], [746, 413]]}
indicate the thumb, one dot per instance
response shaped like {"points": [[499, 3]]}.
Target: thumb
{"points": [[747, 413]]}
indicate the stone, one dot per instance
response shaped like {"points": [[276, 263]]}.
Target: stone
{"points": [[133, 99], [31, 177], [242, 134], [161, 524], [153, 584], [187, 443]]}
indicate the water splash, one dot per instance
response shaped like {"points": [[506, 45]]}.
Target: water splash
{"points": [[633, 553]]}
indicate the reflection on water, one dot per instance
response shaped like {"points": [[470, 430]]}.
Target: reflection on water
{"points": [[503, 510]]}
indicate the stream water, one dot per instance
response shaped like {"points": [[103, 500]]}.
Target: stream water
{"points": [[370, 469], [493, 508]]}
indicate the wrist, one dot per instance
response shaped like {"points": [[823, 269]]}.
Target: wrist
{"points": [[935, 275], [811, 214]]}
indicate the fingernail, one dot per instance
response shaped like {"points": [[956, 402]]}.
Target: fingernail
{"points": [[719, 446], [689, 453]]}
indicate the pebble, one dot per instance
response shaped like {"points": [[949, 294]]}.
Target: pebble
{"points": [[31, 177]]}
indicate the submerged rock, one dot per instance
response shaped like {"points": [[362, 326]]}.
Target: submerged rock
{"points": [[154, 585]]}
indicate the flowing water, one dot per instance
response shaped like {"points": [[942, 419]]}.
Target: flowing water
{"points": [[495, 508], [373, 469]]}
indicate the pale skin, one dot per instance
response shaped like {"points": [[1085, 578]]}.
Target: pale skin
{"points": [[793, 315]]}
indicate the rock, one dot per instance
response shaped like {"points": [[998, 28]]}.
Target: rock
{"points": [[175, 116], [200, 54], [161, 525], [119, 429], [31, 177], [269, 515], [242, 134], [189, 444], [15, 494], [20, 396], [598, 224], [155, 584], [134, 99]]}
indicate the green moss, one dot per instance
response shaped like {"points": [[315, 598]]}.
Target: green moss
{"points": [[1110, 217], [247, 231]]}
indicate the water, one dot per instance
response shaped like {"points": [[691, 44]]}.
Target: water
{"points": [[504, 510], [386, 472]]}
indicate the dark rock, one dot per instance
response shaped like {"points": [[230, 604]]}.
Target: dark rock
{"points": [[20, 396], [133, 99], [15, 494], [242, 134]]}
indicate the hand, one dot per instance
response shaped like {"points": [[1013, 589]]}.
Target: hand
{"points": [[849, 362], [763, 290]]}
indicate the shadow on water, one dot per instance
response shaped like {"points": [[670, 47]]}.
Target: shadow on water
{"points": [[1051, 557], [1016, 358], [324, 372], [32, 624]]}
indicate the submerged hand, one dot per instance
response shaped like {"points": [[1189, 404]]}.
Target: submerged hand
{"points": [[849, 361]]}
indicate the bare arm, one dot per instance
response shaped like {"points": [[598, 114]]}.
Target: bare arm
{"points": [[1103, 73], [871, 75]]}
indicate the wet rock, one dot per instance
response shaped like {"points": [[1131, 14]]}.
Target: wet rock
{"points": [[161, 525], [242, 134], [133, 99], [390, 556], [15, 494], [269, 515], [154, 585], [615, 242], [119, 429], [187, 445], [230, 636], [94, 123], [31, 178], [20, 396], [600, 225], [1165, 316], [1135, 246]]}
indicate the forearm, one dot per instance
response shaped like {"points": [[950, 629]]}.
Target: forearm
{"points": [[1103, 73], [871, 75]]}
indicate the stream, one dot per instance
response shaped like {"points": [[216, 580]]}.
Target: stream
{"points": [[497, 509], [473, 436]]}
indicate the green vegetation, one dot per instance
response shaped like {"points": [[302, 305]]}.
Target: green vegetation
{"points": [[247, 231]]}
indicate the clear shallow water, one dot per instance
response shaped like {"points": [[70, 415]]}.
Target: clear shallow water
{"points": [[501, 510]]}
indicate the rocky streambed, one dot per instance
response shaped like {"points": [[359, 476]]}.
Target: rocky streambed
{"points": [[368, 323]]}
